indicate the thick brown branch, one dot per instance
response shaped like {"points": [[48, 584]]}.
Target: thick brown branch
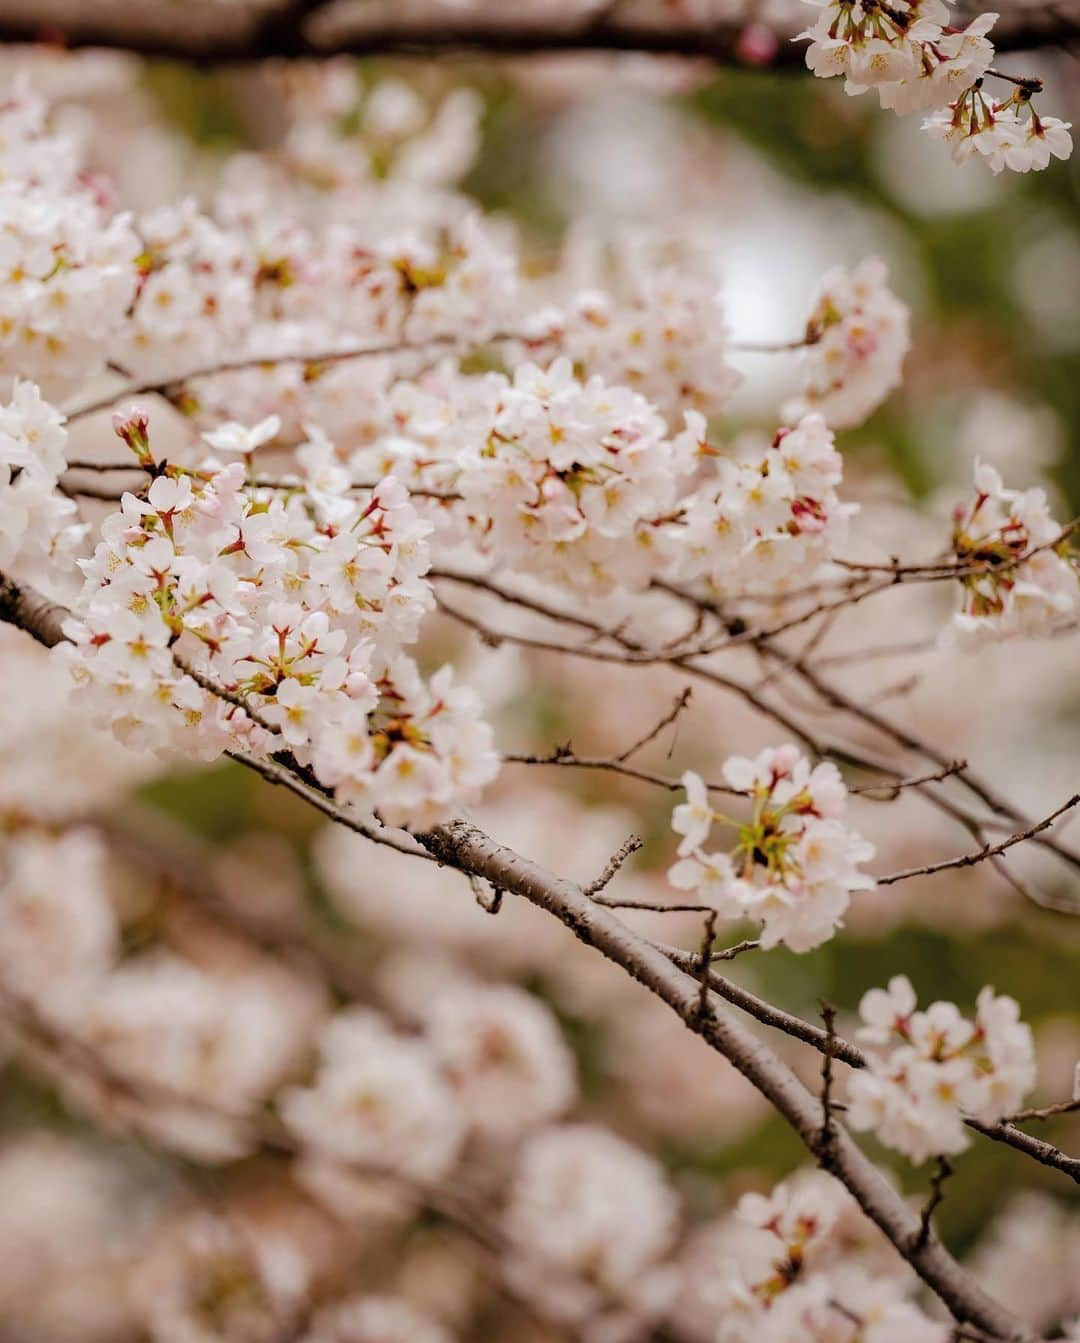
{"points": [[23, 606], [202, 34], [463, 846]]}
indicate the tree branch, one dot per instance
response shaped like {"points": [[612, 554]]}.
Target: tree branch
{"points": [[23, 606], [462, 846], [203, 34]]}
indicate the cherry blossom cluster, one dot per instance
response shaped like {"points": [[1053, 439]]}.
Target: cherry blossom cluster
{"points": [[68, 261], [187, 1035], [652, 322], [378, 1101], [857, 337], [40, 534], [766, 521], [579, 483], [1019, 573], [348, 136], [569, 479], [263, 593], [54, 764], [213, 1276], [195, 299], [795, 862], [928, 1069], [591, 1217], [210, 1276], [502, 1054], [375, 1319], [912, 54], [787, 1275], [220, 616], [246, 285], [1007, 134], [488, 1060]]}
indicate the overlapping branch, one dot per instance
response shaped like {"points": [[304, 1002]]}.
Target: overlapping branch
{"points": [[614, 646], [696, 994]]}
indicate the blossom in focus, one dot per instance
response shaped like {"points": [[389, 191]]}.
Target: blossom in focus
{"points": [[789, 1272], [795, 862], [767, 522], [916, 58], [300, 617], [1001, 135]]}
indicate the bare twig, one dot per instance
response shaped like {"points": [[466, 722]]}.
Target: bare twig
{"points": [[892, 791], [627, 849], [828, 1015], [708, 937], [987, 851], [937, 1195], [489, 898], [169, 387], [1045, 1112], [681, 701]]}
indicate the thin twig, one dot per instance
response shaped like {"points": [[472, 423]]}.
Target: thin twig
{"points": [[937, 1196], [828, 1015], [626, 849], [488, 897], [1045, 1112], [169, 387], [708, 937], [681, 701], [987, 850]]}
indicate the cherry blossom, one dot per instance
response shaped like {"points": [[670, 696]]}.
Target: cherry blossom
{"points": [[1002, 135], [767, 521], [795, 863], [378, 1099], [788, 1274], [69, 263], [928, 1069], [916, 58], [40, 535], [502, 1053], [1018, 570], [583, 1199], [301, 622], [374, 1319], [208, 1277], [388, 472], [857, 338]]}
